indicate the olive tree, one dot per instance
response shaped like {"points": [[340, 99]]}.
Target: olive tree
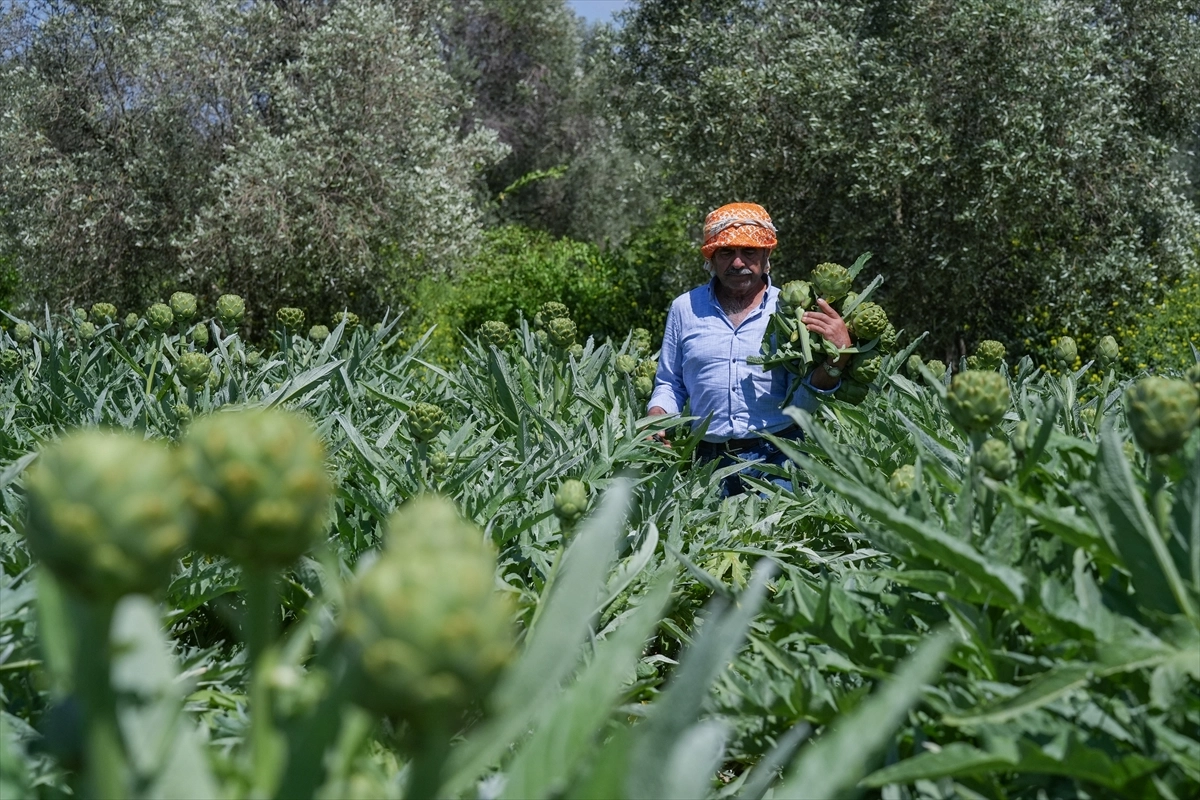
{"points": [[304, 153], [1003, 159]]}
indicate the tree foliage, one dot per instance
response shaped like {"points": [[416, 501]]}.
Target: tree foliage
{"points": [[995, 156], [306, 150]]}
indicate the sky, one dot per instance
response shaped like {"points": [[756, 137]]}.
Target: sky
{"points": [[597, 10]]}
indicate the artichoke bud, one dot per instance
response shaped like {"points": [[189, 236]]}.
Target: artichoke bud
{"points": [[570, 501], [1020, 438], [997, 460], [990, 354], [10, 361], [252, 358], [913, 366], [22, 333], [107, 513], [865, 367], [424, 629], [261, 493], [1064, 352], [104, 313], [199, 335], [183, 413], [639, 339], [869, 321], [87, 331], [318, 333], [350, 318], [977, 399], [889, 339], [626, 364], [132, 320], [1107, 352], [937, 367], [193, 369], [1162, 413], [903, 481], [575, 351], [647, 368], [290, 318], [215, 378], [561, 332], [550, 311], [1193, 374], [183, 305], [160, 316], [643, 387], [80, 314], [852, 392], [831, 281], [231, 310], [438, 461], [847, 301], [426, 421], [495, 333], [796, 295]]}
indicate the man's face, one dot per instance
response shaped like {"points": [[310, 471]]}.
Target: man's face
{"points": [[739, 269]]}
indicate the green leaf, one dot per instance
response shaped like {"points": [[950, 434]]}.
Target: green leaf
{"points": [[955, 760]]}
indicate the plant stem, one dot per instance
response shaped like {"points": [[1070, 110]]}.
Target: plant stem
{"points": [[430, 747], [107, 774], [262, 610]]}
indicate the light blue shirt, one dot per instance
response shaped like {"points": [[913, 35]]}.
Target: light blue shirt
{"points": [[703, 360]]}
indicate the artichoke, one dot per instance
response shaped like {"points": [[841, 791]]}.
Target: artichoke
{"points": [[561, 332], [107, 513], [988, 355], [193, 369], [852, 392], [913, 366], [831, 281], [1064, 352], [132, 320], [626, 364], [87, 331], [318, 333], [10, 361], [183, 305], [570, 501], [1107, 352], [793, 296], [903, 481], [1193, 374], [160, 316], [199, 334], [550, 311], [937, 367], [252, 358], [865, 367], [647, 368], [80, 314], [260, 491], [290, 318], [183, 413], [231, 310], [425, 631], [495, 333], [869, 321], [889, 339], [643, 387], [1020, 438], [1162, 413], [640, 340], [437, 460], [425, 421], [977, 399], [22, 333], [104, 313], [349, 317], [997, 460]]}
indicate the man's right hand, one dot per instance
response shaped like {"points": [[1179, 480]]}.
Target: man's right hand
{"points": [[660, 436]]}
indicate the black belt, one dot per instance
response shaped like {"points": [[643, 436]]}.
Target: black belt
{"points": [[732, 447]]}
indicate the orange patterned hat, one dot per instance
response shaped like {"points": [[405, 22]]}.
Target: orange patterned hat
{"points": [[738, 225]]}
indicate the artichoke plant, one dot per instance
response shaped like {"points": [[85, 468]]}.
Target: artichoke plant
{"points": [[231, 310], [831, 281], [997, 459], [290, 318], [1162, 413], [260, 491], [548, 311], [193, 369], [160, 316], [978, 399], [104, 313], [426, 421], [183, 306], [1064, 352], [561, 332], [571, 500], [107, 513], [495, 333], [423, 626]]}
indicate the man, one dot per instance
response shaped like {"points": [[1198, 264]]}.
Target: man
{"points": [[712, 330]]}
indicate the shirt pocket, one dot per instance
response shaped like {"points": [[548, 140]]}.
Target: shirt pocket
{"points": [[768, 386]]}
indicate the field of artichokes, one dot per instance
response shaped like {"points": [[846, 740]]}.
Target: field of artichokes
{"points": [[329, 568]]}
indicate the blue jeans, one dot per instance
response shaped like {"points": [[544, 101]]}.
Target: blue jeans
{"points": [[761, 450]]}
